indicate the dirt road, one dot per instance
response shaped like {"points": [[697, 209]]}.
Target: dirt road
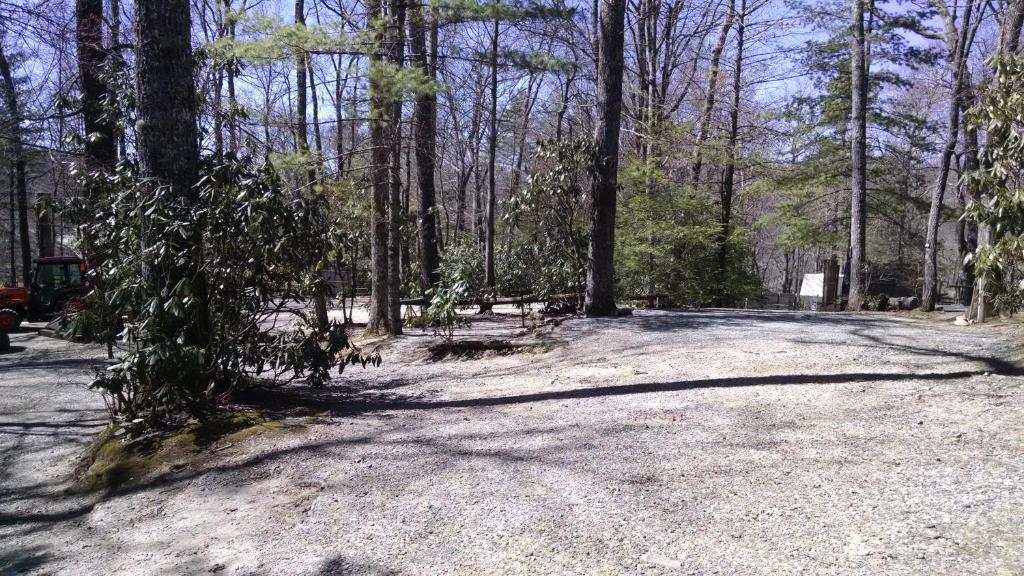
{"points": [[665, 443]]}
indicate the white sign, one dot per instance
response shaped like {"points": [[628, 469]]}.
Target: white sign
{"points": [[813, 285]]}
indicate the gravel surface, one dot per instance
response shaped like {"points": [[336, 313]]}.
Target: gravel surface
{"points": [[663, 443]]}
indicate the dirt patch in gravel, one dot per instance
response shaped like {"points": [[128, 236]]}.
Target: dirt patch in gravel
{"points": [[472, 349], [662, 443]]}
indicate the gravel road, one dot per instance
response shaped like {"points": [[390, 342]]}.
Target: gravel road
{"points": [[663, 443]]}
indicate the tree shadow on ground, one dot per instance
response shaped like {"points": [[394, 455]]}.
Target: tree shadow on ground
{"points": [[384, 398], [991, 362], [58, 363], [23, 561], [42, 520], [334, 402], [696, 328], [59, 429], [69, 428], [672, 320], [653, 387]]}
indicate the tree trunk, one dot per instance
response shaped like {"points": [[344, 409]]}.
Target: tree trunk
{"points": [[1010, 27], [380, 161], [600, 290], [490, 280], [267, 145], [520, 150], [44, 224], [11, 217], [858, 156], [709, 99], [425, 127], [116, 56], [465, 217], [10, 95], [396, 52], [385, 212], [563, 109], [533, 87], [168, 139], [479, 206], [969, 236], [231, 70], [929, 292], [339, 132], [318, 142], [302, 69], [99, 144], [352, 128], [959, 51], [1009, 40], [787, 278], [728, 179], [301, 97], [646, 18], [218, 112], [406, 189]]}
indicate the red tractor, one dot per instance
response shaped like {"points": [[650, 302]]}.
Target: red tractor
{"points": [[57, 282]]}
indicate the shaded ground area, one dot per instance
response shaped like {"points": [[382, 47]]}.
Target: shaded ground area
{"points": [[697, 442]]}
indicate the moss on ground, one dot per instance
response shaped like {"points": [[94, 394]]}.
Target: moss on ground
{"points": [[114, 461]]}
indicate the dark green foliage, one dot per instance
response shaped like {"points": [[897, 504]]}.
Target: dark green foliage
{"points": [[550, 214], [545, 254], [812, 206], [811, 209], [666, 244], [462, 261], [827, 58], [443, 312], [260, 253], [1001, 206]]}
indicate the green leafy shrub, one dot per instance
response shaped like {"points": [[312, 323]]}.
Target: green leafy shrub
{"points": [[999, 184], [551, 216], [666, 244], [1009, 301], [462, 261], [259, 249], [443, 312]]}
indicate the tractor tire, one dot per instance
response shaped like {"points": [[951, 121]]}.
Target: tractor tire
{"points": [[5, 342], [9, 321]]}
